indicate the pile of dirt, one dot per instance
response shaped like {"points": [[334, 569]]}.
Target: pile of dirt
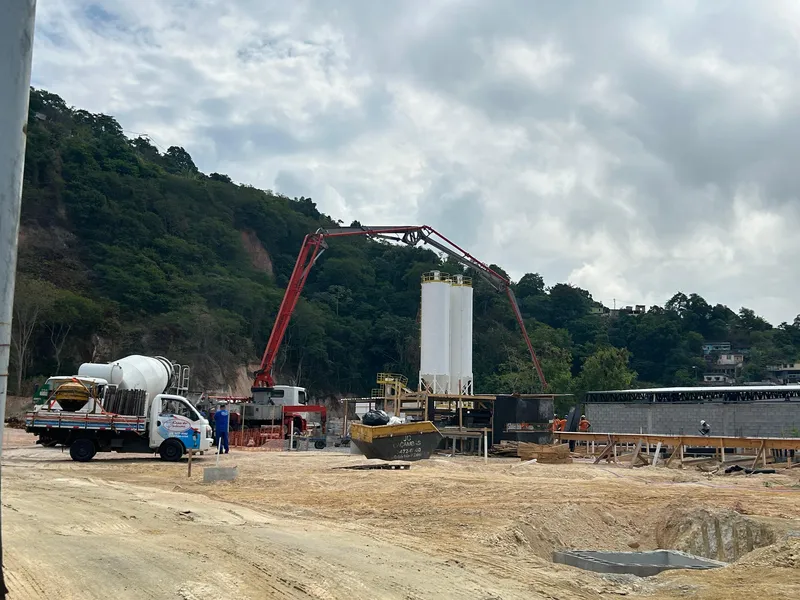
{"points": [[718, 534], [16, 407], [784, 553], [569, 526]]}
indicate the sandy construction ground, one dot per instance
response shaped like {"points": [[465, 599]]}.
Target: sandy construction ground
{"points": [[295, 526]]}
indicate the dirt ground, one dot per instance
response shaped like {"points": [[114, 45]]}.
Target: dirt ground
{"points": [[294, 526]]}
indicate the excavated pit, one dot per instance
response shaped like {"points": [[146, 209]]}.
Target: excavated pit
{"points": [[672, 537], [718, 534], [641, 564]]}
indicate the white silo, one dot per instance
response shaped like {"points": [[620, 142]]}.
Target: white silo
{"points": [[465, 290], [456, 333], [434, 364]]}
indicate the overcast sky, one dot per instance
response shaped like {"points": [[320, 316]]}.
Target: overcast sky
{"points": [[633, 148]]}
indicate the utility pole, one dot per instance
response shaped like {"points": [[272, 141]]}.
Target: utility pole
{"points": [[16, 52]]}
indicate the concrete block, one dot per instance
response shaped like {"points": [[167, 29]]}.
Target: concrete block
{"points": [[213, 474], [642, 564], [756, 419]]}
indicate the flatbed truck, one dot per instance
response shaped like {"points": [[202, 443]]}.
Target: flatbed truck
{"points": [[128, 410]]}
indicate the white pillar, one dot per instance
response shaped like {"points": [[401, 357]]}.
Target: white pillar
{"points": [[16, 51]]}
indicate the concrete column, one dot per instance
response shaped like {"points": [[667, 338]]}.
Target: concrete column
{"points": [[16, 52]]}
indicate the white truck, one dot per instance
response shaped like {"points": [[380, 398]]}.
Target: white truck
{"points": [[123, 406]]}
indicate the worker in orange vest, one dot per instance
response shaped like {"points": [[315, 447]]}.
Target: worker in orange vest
{"points": [[556, 424], [563, 424], [584, 424]]}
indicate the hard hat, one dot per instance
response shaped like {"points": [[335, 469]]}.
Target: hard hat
{"points": [[583, 416], [702, 422]]}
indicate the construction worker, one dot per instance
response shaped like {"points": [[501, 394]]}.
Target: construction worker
{"points": [[563, 423], [705, 428], [221, 426], [556, 424], [584, 425]]}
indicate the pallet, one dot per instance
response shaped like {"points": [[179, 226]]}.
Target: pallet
{"points": [[374, 467]]}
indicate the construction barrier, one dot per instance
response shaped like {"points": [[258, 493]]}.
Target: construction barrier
{"points": [[265, 438]]}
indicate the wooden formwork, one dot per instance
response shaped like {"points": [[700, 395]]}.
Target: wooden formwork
{"points": [[637, 448]]}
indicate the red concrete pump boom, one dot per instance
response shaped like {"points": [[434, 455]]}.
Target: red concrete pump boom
{"points": [[314, 245]]}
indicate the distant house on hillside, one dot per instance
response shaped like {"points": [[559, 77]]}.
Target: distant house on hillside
{"points": [[717, 379], [716, 347], [726, 365], [639, 309], [786, 373]]}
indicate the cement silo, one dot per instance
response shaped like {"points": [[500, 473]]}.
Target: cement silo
{"points": [[434, 367], [465, 290], [455, 334]]}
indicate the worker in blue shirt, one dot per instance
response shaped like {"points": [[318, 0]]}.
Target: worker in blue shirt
{"points": [[221, 427]]}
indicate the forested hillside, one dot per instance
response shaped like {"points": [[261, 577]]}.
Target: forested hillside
{"points": [[128, 249]]}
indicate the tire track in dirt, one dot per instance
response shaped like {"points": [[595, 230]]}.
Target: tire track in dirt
{"points": [[126, 541]]}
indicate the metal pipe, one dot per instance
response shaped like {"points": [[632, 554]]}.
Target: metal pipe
{"points": [[16, 52]]}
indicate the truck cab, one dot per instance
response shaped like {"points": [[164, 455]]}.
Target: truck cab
{"points": [[273, 406], [280, 395], [176, 427]]}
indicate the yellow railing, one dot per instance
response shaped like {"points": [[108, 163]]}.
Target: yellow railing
{"points": [[436, 276], [396, 378]]}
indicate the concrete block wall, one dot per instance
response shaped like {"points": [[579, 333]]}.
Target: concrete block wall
{"points": [[749, 419]]}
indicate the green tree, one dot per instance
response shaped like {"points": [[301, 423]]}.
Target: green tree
{"points": [[606, 369], [135, 250], [68, 313], [33, 298]]}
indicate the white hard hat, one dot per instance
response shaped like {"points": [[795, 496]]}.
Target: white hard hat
{"points": [[702, 422]]}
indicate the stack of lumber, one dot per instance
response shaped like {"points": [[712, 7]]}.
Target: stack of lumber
{"points": [[504, 448], [551, 454]]}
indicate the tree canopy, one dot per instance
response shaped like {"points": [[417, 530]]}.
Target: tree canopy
{"points": [[127, 249]]}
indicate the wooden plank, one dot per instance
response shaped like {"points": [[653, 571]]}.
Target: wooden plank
{"points": [[760, 453], [656, 455], [675, 453], [700, 460], [692, 440], [636, 453], [606, 451]]}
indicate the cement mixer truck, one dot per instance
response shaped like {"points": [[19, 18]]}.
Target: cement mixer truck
{"points": [[122, 406]]}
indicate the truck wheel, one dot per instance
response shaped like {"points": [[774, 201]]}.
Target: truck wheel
{"points": [[82, 450], [319, 444], [171, 450]]}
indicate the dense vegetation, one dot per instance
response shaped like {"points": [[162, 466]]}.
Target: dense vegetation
{"points": [[127, 249]]}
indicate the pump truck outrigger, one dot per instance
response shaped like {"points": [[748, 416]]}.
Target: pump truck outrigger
{"points": [[264, 390], [124, 406]]}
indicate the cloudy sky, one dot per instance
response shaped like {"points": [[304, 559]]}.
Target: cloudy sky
{"points": [[633, 148]]}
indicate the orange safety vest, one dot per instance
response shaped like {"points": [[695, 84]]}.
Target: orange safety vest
{"points": [[584, 425]]}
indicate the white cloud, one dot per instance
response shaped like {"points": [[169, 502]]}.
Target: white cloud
{"points": [[539, 65], [635, 152]]}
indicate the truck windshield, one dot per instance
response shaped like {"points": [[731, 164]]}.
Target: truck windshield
{"points": [[179, 407]]}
